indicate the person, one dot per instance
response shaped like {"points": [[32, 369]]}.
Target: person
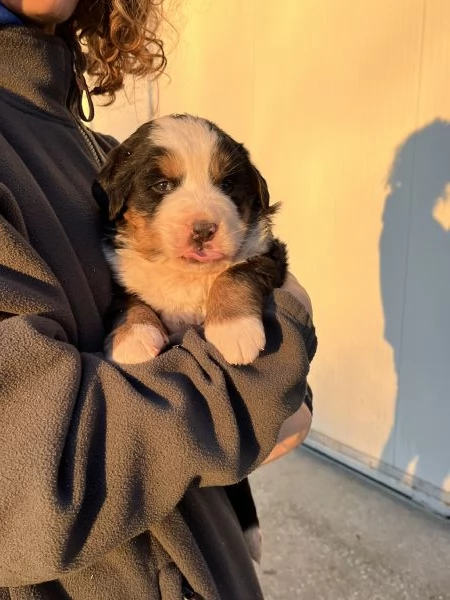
{"points": [[112, 477]]}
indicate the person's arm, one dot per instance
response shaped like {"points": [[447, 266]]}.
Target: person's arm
{"points": [[91, 454], [295, 429]]}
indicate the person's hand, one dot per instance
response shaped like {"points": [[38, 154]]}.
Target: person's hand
{"points": [[295, 429], [292, 434]]}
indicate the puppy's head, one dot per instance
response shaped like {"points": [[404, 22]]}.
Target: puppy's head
{"points": [[181, 190]]}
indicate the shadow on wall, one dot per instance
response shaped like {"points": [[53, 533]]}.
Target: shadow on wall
{"points": [[415, 285]]}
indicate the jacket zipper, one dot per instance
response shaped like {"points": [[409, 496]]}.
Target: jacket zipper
{"points": [[98, 155], [94, 150]]}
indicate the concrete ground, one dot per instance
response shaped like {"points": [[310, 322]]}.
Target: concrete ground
{"points": [[330, 534]]}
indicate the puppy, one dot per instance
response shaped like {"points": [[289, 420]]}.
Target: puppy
{"points": [[190, 241]]}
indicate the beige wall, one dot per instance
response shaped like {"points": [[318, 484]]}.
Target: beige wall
{"points": [[323, 93], [133, 106]]}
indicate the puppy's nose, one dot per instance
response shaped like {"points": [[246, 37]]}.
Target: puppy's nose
{"points": [[203, 231]]}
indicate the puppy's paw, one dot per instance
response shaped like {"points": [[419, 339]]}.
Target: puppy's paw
{"points": [[139, 343], [238, 340], [253, 539]]}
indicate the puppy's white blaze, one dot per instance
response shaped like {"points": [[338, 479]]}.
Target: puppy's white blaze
{"points": [[142, 343], [253, 539], [239, 340]]}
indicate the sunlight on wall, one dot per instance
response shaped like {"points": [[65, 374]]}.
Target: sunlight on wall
{"points": [[132, 107]]}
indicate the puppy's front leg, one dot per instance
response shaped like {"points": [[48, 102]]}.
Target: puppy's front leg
{"points": [[233, 313], [138, 334]]}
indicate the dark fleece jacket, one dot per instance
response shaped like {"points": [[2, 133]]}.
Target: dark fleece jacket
{"points": [[110, 478]]}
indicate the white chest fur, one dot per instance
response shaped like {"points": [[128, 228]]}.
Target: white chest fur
{"points": [[179, 297]]}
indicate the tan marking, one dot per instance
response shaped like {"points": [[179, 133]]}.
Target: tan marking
{"points": [[219, 165], [139, 233], [231, 299], [171, 165], [137, 313]]}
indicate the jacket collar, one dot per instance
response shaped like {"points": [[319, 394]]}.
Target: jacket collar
{"points": [[37, 69]]}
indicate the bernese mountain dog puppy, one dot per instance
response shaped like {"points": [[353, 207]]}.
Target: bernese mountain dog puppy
{"points": [[190, 243]]}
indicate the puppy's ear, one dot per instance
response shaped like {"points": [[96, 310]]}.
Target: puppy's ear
{"points": [[261, 188], [114, 182]]}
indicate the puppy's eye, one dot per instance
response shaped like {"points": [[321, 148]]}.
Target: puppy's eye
{"points": [[163, 187], [227, 185]]}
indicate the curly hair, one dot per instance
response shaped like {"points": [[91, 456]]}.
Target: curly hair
{"points": [[114, 38]]}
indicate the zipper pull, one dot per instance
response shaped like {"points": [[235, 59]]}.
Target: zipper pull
{"points": [[83, 89]]}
